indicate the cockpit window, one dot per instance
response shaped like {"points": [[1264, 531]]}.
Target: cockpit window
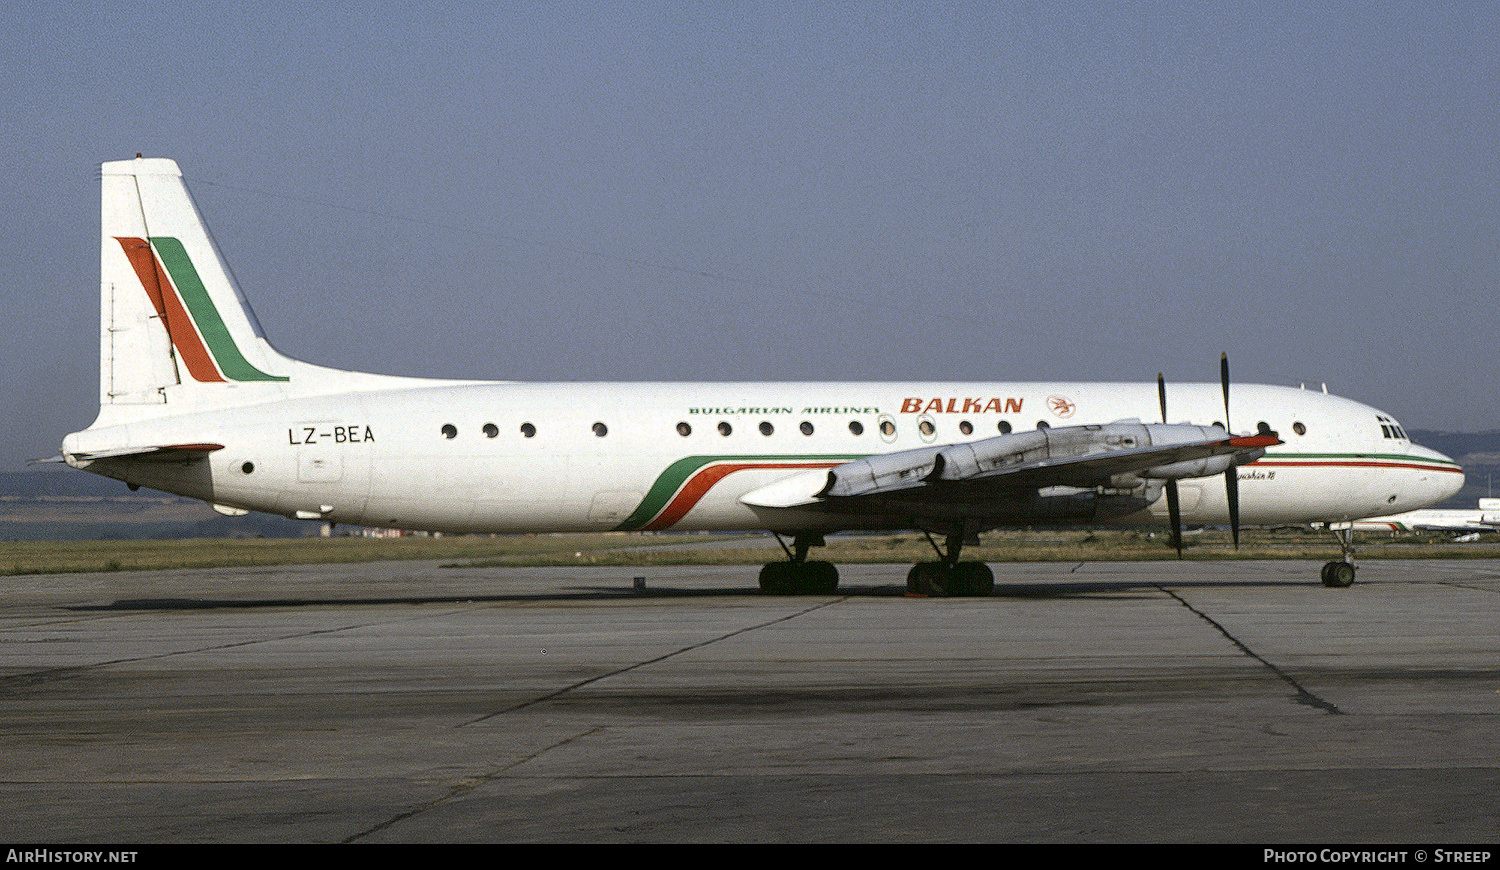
{"points": [[1391, 429]]}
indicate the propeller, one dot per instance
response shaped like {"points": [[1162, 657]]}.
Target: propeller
{"points": [[1232, 474], [1174, 507]]}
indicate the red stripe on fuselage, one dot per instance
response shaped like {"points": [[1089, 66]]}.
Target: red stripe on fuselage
{"points": [[699, 484], [1325, 463]]}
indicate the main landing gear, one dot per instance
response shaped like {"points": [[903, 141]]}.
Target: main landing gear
{"points": [[1340, 575], [948, 576], [798, 576]]}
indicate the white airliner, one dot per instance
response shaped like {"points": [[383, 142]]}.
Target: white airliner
{"points": [[194, 401], [1485, 519]]}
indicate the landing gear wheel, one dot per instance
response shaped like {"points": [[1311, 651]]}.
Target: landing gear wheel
{"points": [[964, 580], [819, 578], [778, 578], [928, 578], [1338, 575], [799, 578], [974, 579]]}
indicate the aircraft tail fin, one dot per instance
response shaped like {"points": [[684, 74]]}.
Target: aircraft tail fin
{"points": [[174, 328], [176, 334]]}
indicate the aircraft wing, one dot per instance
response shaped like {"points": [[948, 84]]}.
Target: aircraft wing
{"points": [[1003, 475]]}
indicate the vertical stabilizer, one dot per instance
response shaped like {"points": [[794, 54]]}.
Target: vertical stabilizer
{"points": [[175, 329]]}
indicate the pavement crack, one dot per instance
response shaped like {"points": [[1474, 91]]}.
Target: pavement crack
{"points": [[651, 661], [13, 684], [1301, 694], [467, 786], [473, 783]]}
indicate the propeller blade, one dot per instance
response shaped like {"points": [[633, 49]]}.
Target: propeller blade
{"points": [[1174, 509], [1224, 379], [1174, 513], [1232, 483], [1232, 474]]}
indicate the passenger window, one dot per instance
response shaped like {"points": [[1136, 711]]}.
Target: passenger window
{"points": [[725, 428], [600, 430], [491, 430], [806, 427], [450, 431], [966, 427], [766, 428], [856, 427], [684, 429], [528, 430]]}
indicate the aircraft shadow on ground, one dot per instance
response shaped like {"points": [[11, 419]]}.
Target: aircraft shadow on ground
{"points": [[1094, 589]]}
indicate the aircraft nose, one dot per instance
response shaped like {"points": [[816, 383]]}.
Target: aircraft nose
{"points": [[1441, 479]]}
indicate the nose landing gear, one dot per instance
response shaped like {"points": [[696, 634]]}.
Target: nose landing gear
{"points": [[1340, 575]]}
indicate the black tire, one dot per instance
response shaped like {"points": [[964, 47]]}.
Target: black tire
{"points": [[777, 578], [934, 578], [975, 579], [818, 578], [1338, 575]]}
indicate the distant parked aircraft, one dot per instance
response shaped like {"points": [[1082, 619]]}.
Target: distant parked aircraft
{"points": [[1485, 519]]}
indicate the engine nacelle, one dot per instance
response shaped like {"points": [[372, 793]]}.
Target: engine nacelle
{"points": [[963, 461], [1123, 449], [886, 472], [1205, 467]]}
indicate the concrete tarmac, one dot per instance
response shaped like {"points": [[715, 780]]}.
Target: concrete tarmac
{"points": [[407, 702]]}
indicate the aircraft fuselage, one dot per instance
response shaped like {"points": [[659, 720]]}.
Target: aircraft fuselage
{"points": [[509, 457]]}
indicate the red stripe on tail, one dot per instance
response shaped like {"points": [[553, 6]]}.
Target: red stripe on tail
{"points": [[169, 308]]}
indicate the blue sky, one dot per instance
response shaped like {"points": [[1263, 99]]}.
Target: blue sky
{"points": [[785, 191]]}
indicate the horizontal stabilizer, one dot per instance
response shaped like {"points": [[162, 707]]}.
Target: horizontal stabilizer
{"points": [[154, 453]]}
